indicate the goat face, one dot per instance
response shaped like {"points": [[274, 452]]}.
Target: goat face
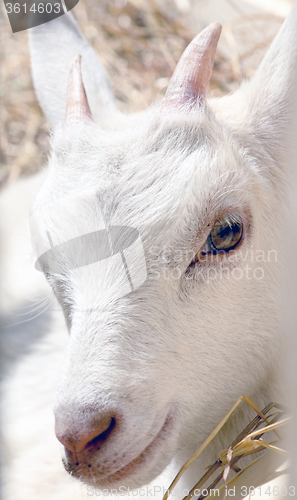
{"points": [[150, 370]]}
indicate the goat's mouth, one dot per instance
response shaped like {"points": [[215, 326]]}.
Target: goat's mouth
{"points": [[121, 470]]}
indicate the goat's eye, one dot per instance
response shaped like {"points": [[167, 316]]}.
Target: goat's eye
{"points": [[225, 235]]}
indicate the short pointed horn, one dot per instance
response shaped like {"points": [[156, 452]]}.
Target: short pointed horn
{"points": [[190, 80], [77, 107]]}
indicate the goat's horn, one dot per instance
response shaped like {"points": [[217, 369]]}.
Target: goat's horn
{"points": [[190, 80], [77, 107]]}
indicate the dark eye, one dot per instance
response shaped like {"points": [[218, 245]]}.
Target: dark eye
{"points": [[225, 235]]}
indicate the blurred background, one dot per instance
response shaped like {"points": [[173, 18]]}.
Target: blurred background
{"points": [[139, 43]]}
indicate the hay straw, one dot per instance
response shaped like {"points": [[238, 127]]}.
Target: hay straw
{"points": [[248, 442]]}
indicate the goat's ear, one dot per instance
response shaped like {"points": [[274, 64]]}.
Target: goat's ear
{"points": [[262, 109], [53, 46]]}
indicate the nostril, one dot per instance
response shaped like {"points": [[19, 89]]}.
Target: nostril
{"points": [[104, 435], [85, 435]]}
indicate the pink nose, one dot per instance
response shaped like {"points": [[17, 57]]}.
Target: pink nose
{"points": [[76, 438]]}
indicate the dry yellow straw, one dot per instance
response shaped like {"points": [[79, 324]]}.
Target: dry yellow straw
{"points": [[215, 432]]}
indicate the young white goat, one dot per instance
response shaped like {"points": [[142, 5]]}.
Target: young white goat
{"points": [[160, 234]]}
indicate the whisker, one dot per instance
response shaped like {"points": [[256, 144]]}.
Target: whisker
{"points": [[40, 304], [26, 320]]}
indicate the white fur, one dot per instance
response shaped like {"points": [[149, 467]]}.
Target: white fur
{"points": [[181, 345]]}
